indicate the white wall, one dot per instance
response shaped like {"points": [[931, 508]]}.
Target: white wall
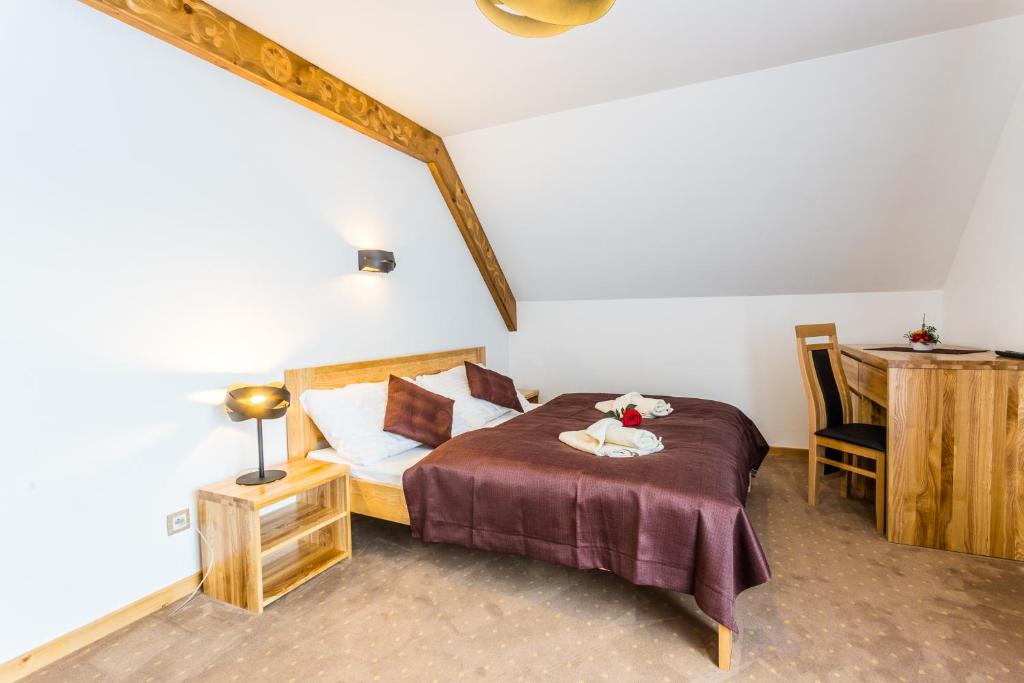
{"points": [[985, 289], [740, 350], [850, 173], [167, 228]]}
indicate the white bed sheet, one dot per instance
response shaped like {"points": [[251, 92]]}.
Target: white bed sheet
{"points": [[390, 470]]}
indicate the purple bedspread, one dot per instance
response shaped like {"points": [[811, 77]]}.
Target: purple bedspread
{"points": [[675, 519]]}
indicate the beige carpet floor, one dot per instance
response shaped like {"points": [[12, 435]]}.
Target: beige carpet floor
{"points": [[844, 605]]}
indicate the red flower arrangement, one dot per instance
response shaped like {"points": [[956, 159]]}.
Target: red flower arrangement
{"points": [[629, 416], [926, 335]]}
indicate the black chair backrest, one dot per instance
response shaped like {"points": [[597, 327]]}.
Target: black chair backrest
{"points": [[829, 387]]}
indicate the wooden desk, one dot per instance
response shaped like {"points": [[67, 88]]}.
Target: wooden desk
{"points": [[955, 475]]}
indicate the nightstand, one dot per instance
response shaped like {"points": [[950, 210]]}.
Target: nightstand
{"points": [[256, 558], [531, 395]]}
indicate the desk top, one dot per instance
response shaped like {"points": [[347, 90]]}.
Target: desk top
{"points": [[913, 359]]}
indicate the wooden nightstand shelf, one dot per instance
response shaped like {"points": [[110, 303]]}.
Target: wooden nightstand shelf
{"points": [[531, 395], [258, 558]]}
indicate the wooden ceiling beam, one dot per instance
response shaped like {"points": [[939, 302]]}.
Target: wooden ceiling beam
{"points": [[211, 35]]}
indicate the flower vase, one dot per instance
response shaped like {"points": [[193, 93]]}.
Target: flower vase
{"points": [[921, 346]]}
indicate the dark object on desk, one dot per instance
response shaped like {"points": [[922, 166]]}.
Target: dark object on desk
{"points": [[263, 402], [943, 352], [1019, 355]]}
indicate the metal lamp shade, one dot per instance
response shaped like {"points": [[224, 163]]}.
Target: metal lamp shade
{"points": [[376, 261], [259, 402], [542, 18]]}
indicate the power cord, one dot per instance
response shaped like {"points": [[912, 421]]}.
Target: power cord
{"points": [[212, 560], [202, 580]]}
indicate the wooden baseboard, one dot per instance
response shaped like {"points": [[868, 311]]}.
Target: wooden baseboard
{"points": [[44, 655], [787, 451]]}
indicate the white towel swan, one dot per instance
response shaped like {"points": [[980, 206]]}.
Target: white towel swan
{"points": [[607, 437], [648, 407]]}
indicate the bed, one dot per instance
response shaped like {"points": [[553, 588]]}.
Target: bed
{"points": [[674, 520]]}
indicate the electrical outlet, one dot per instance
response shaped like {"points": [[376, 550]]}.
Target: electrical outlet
{"points": [[178, 522]]}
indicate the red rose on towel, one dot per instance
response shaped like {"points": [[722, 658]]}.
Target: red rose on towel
{"points": [[632, 418]]}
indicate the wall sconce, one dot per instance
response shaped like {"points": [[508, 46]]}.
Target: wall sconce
{"points": [[376, 261]]}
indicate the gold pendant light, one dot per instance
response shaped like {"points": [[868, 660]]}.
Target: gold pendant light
{"points": [[542, 18]]}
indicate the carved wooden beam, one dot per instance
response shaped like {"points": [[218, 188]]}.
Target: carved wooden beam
{"points": [[210, 34]]}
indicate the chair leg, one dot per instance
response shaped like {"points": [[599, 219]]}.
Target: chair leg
{"points": [[857, 483], [812, 473], [844, 478], [880, 495]]}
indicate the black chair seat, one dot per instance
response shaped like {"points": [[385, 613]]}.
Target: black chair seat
{"points": [[868, 436]]}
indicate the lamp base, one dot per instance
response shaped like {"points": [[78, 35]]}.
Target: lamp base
{"points": [[254, 478]]}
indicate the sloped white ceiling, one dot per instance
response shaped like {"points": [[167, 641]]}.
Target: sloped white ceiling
{"points": [[854, 172], [441, 63], [696, 147]]}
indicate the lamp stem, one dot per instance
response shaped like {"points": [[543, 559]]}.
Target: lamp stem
{"points": [[259, 434]]}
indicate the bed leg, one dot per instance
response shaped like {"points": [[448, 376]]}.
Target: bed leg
{"points": [[724, 647]]}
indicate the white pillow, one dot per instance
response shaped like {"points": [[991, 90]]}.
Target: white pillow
{"points": [[470, 412], [352, 420], [527, 406]]}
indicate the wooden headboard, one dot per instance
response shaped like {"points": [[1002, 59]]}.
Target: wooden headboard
{"points": [[303, 435]]}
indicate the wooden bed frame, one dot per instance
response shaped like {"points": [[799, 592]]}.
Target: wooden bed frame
{"points": [[385, 501], [382, 501]]}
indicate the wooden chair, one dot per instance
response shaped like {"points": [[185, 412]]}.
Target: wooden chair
{"points": [[828, 407]]}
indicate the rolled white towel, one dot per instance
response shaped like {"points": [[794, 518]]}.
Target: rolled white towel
{"points": [[608, 438], [580, 440], [616, 404], [610, 431], [653, 407], [648, 407], [641, 439], [611, 450]]}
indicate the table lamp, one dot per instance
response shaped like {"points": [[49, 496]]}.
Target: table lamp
{"points": [[263, 402]]}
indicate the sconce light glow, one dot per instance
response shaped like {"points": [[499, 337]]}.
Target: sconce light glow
{"points": [[211, 397], [376, 261]]}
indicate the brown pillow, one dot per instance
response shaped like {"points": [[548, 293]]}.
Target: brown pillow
{"points": [[491, 386], [418, 414]]}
